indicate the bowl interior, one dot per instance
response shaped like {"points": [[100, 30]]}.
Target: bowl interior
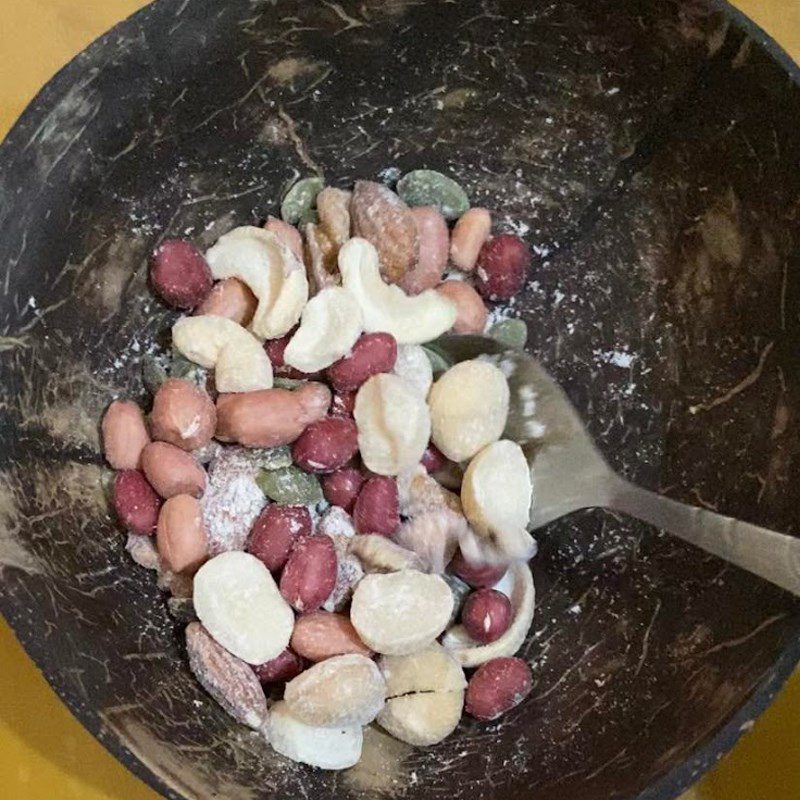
{"points": [[647, 150]]}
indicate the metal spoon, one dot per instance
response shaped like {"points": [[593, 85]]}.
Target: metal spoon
{"points": [[570, 473]]}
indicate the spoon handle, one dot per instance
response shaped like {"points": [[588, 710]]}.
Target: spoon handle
{"points": [[768, 554]]}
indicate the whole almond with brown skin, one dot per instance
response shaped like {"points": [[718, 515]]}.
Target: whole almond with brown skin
{"points": [[172, 471], [321, 634], [333, 207], [124, 434], [383, 219]]}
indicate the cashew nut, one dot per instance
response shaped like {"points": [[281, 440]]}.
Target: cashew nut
{"points": [[329, 327], [393, 422], [411, 320], [274, 274], [239, 361]]}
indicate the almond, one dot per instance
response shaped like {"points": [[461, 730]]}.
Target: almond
{"points": [[320, 635], [384, 220], [333, 207]]}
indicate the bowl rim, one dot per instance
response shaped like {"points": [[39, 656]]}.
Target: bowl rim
{"points": [[677, 779]]}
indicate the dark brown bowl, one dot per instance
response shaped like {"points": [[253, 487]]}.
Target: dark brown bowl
{"points": [[649, 148]]}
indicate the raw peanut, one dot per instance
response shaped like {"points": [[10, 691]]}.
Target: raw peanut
{"points": [[326, 748], [343, 404], [400, 612], [330, 325], [486, 615], [377, 508], [498, 686], [469, 234], [469, 408], [320, 635], [124, 434], [226, 678], [172, 471], [379, 554], [471, 313], [181, 537], [238, 358], [179, 274], [280, 669], [270, 417], [341, 488], [287, 233], [333, 207], [502, 266], [384, 220], [517, 585], [426, 187], [342, 690], [393, 424], [310, 573], [496, 497], [239, 604], [371, 354], [275, 531], [183, 415], [231, 299], [135, 502], [326, 445], [270, 269], [411, 319], [434, 239], [433, 459], [476, 575], [414, 366]]}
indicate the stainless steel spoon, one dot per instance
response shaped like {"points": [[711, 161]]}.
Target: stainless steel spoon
{"points": [[570, 473]]}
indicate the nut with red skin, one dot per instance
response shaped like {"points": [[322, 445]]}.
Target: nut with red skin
{"points": [[341, 488], [179, 273], [136, 503], [433, 459], [326, 445], [372, 354], [281, 669], [275, 349], [503, 264], [275, 532], [496, 687], [343, 404], [486, 615], [309, 576], [476, 575], [377, 508]]}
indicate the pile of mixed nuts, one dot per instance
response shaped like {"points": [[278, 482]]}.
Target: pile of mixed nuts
{"points": [[343, 534]]}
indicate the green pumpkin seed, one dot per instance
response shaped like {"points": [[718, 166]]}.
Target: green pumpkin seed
{"points": [[511, 332], [154, 372], [310, 217], [300, 199], [426, 187], [287, 383], [439, 363], [273, 457], [290, 486]]}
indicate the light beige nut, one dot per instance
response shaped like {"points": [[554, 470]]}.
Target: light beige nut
{"points": [[496, 496], [275, 275], [469, 408], [232, 299], [237, 601], [230, 681], [330, 325], [326, 748], [414, 366], [382, 218], [400, 612], [320, 635], [411, 320], [124, 434], [433, 536], [171, 470], [379, 554], [181, 535], [239, 361], [333, 207], [338, 692], [520, 590], [424, 695], [469, 234], [393, 424]]}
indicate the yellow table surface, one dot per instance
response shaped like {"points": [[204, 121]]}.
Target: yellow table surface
{"points": [[45, 754]]}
